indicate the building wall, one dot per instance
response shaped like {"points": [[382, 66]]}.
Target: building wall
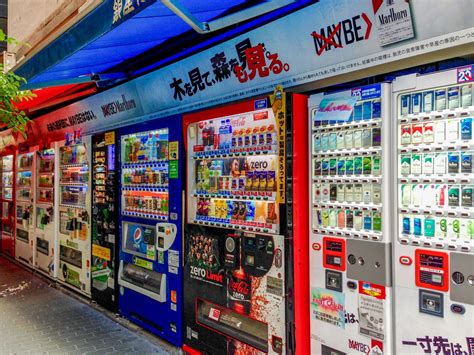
{"points": [[26, 16], [38, 22]]}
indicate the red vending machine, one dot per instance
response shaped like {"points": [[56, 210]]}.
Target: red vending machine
{"points": [[7, 200], [243, 233]]}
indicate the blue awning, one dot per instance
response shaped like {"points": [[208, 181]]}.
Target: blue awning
{"points": [[116, 32]]}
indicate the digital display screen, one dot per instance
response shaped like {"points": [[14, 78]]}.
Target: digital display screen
{"points": [[431, 261], [332, 245]]}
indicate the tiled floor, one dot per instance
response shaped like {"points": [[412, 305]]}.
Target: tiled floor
{"points": [[38, 319]]}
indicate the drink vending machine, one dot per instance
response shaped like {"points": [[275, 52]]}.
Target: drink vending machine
{"points": [[25, 202], [7, 201], [45, 231], [150, 270], [239, 234], [74, 212], [350, 256], [104, 221], [434, 224]]}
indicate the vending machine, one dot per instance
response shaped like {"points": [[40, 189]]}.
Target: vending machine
{"points": [[74, 213], [351, 236], [104, 221], [45, 231], [239, 233], [150, 227], [7, 201], [434, 244], [25, 202]]}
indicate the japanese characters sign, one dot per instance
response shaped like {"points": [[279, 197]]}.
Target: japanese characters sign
{"points": [[278, 103], [438, 344], [328, 306], [319, 41], [124, 8]]}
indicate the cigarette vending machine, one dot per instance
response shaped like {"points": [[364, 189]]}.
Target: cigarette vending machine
{"points": [[351, 237], [74, 213], [239, 234], [45, 232], [7, 201], [104, 221], [433, 259], [25, 202], [150, 227]]}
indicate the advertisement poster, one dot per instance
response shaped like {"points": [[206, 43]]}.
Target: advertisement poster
{"points": [[203, 258], [371, 317], [393, 21], [328, 306], [335, 110]]}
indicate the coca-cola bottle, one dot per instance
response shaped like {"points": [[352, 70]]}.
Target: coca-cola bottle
{"points": [[239, 294]]}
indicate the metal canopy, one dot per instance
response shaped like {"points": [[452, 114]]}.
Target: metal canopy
{"points": [[95, 47]]}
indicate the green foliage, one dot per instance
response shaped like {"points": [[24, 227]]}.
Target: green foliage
{"points": [[10, 95]]}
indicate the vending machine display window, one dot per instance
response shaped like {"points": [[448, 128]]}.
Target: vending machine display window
{"points": [[234, 171], [435, 168], [145, 169]]}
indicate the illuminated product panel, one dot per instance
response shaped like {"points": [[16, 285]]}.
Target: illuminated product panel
{"points": [[25, 213], [433, 263], [7, 201], [235, 165], [145, 175], [45, 233], [73, 186], [350, 251]]}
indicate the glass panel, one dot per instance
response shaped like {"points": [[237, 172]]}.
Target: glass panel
{"points": [[25, 161], [75, 154], [147, 279], [233, 324], [71, 256], [147, 146], [42, 246]]}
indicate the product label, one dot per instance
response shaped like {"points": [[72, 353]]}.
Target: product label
{"points": [[440, 97], [417, 133], [453, 97], [405, 134], [440, 163]]}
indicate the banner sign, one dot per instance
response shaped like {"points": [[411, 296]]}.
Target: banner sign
{"points": [[325, 39], [107, 110], [322, 40]]}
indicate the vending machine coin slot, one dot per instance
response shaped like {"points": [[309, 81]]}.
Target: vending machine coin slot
{"points": [[334, 253], [232, 252], [432, 270], [369, 261], [166, 235], [258, 253]]}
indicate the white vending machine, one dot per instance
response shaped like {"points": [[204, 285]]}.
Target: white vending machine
{"points": [[25, 201], [74, 213], [45, 231], [350, 236], [433, 250]]}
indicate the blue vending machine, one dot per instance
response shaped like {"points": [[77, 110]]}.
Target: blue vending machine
{"points": [[150, 268]]}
